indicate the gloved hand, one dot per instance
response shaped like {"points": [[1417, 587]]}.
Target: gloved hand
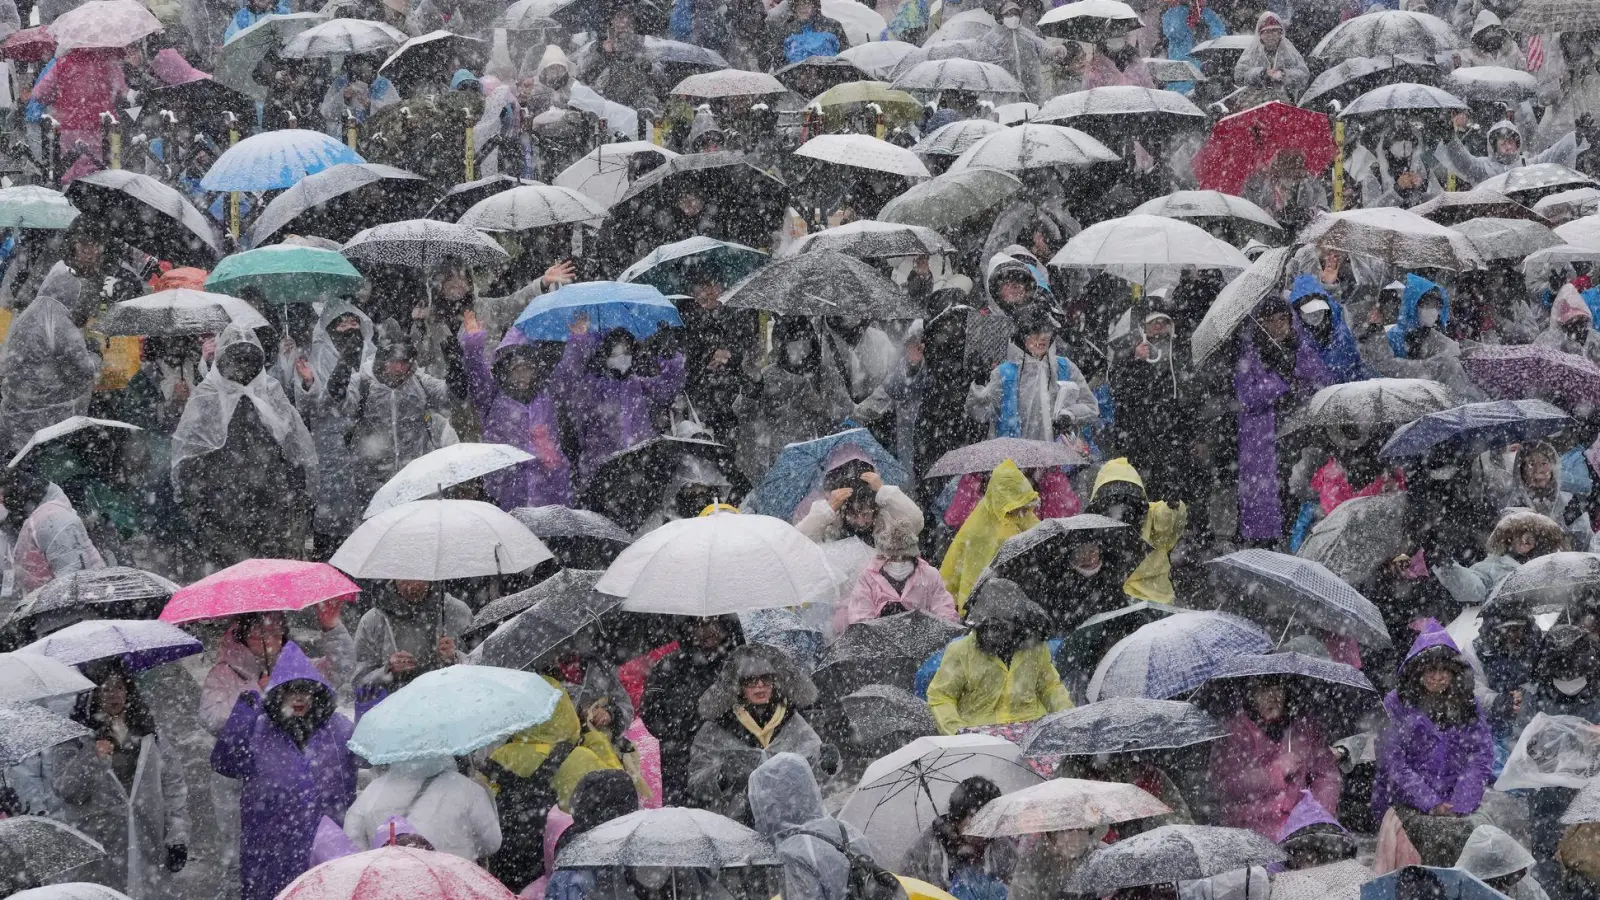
{"points": [[177, 857], [828, 759]]}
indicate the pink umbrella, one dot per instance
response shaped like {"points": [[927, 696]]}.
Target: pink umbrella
{"points": [[259, 585], [396, 872]]}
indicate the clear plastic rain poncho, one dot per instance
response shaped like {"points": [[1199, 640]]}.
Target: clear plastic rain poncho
{"points": [[786, 805], [1491, 853], [1553, 751], [47, 372]]}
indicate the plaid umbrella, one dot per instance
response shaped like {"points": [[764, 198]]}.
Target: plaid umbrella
{"points": [[1553, 16], [1174, 656], [1282, 587], [1476, 427], [1529, 371], [103, 23]]}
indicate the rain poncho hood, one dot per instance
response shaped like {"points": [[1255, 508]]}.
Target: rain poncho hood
{"points": [[1115, 471], [1486, 19], [1306, 813], [294, 665], [324, 356], [784, 795], [1251, 69], [1416, 288], [47, 373], [1491, 853], [990, 524], [1342, 355]]}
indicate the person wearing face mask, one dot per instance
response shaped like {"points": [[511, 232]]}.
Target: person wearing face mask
{"points": [[610, 396], [855, 500], [1324, 323], [1157, 403], [1036, 393], [394, 414], [1006, 510], [1571, 328], [1272, 65], [897, 580], [1115, 61], [516, 407], [1504, 146], [793, 398], [1397, 173], [1416, 345], [1002, 672], [1119, 493], [1010, 287]]}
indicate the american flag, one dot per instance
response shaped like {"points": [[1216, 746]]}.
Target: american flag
{"points": [[1535, 52]]}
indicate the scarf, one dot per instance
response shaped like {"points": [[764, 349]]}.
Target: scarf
{"points": [[763, 733]]}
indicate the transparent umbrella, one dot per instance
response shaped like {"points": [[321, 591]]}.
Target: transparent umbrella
{"points": [[1140, 247], [671, 836], [429, 474], [29, 729], [1386, 33], [1034, 146], [29, 677], [1175, 655], [1374, 403], [114, 592], [40, 848], [1121, 725], [1457, 207], [1173, 853], [1508, 238], [568, 586], [948, 200], [1063, 804], [555, 616], [955, 138], [139, 643], [1396, 236]]}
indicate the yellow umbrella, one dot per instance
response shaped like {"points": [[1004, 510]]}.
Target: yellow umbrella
{"points": [[899, 107], [917, 889]]}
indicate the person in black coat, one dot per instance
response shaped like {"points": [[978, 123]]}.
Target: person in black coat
{"points": [[672, 695]]}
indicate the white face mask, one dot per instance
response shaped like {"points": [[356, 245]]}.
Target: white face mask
{"points": [[1427, 317], [1401, 149], [796, 352], [1115, 44], [899, 569], [1315, 317], [1012, 21], [620, 362], [1570, 686]]}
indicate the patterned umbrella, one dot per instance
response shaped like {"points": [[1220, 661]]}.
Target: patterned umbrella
{"points": [[1174, 656], [103, 23], [1529, 184], [1518, 372], [37, 848], [531, 206], [1452, 208], [728, 83], [1387, 32], [954, 139], [1278, 587], [423, 244], [1553, 16], [115, 592], [343, 37]]}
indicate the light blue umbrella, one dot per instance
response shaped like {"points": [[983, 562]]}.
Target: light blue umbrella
{"points": [[274, 160], [1430, 882], [668, 267], [639, 308], [452, 712], [799, 469], [1175, 655]]}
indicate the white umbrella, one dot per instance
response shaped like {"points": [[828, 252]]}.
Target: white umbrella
{"points": [[1138, 247], [1034, 146], [531, 206], [964, 25], [956, 138], [877, 58], [1386, 33], [1107, 10], [901, 794], [1397, 236], [1565, 206], [1206, 205], [958, 74], [1063, 804], [861, 23], [1015, 113], [863, 151], [605, 173], [1584, 232], [178, 311], [432, 472], [725, 563], [69, 425], [529, 15], [341, 37], [31, 677], [437, 540]]}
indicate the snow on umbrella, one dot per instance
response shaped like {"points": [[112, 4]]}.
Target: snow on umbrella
{"points": [[747, 196], [29, 678], [452, 712], [728, 83], [1402, 97], [438, 540], [668, 267], [29, 45], [1374, 403], [672, 836], [1552, 16], [423, 244], [1224, 49], [464, 196], [800, 466], [823, 283], [1174, 656], [1221, 214], [179, 311], [531, 206], [1546, 584], [76, 431], [1357, 75], [528, 15], [784, 630], [1085, 644], [861, 23], [1527, 184], [432, 472], [958, 74], [815, 74], [146, 214], [1453, 208], [1032, 146], [286, 273], [1089, 20], [1565, 206], [1167, 71], [32, 206], [1357, 537], [626, 486], [679, 59], [1583, 232], [1139, 247], [955, 138], [343, 37], [1339, 879], [566, 589], [605, 173], [274, 160], [870, 239], [959, 28], [1475, 428], [886, 650], [256, 586], [432, 57], [35, 849], [1508, 238], [103, 23], [242, 55], [1247, 142], [1238, 300], [1397, 236], [1063, 804], [639, 308], [1320, 683], [863, 151], [985, 455], [140, 643], [1121, 725], [558, 613], [877, 58], [1172, 853], [368, 194], [1585, 806], [901, 794], [880, 711], [1123, 110], [114, 592], [1384, 33], [1034, 558], [70, 890], [1291, 588], [1492, 84], [407, 872], [948, 200], [1529, 371]]}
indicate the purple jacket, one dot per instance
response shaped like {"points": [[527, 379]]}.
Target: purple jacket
{"points": [[531, 426], [1259, 389], [287, 790], [610, 414], [1422, 765]]}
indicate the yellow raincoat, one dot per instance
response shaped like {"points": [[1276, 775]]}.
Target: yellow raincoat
{"points": [[526, 750], [975, 688], [1163, 525], [1006, 510]]}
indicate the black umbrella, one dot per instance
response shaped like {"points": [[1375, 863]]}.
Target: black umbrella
{"points": [[1353, 77], [466, 195], [650, 17], [1036, 558], [888, 650], [1328, 690], [815, 74], [34, 849], [367, 194], [580, 538], [117, 592], [558, 608], [201, 104], [749, 202], [433, 57], [146, 214], [679, 60], [878, 711], [822, 283], [1121, 725], [627, 485], [1457, 207], [1172, 853]]}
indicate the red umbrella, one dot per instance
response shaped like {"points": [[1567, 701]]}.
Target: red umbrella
{"points": [[396, 872], [1244, 143], [29, 45], [259, 585]]}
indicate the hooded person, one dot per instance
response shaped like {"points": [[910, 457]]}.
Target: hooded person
{"points": [[944, 854], [1503, 150], [610, 397], [601, 796], [696, 484], [1035, 393], [794, 398], [47, 369], [454, 812], [1322, 855], [1536, 485], [52, 540], [856, 501], [1276, 750], [786, 808], [1395, 172], [1571, 328], [1490, 45], [1416, 345], [1019, 50], [1119, 493], [516, 406], [412, 628], [1001, 672], [1324, 323], [672, 692], [1009, 285], [316, 378], [1500, 862], [749, 714], [1007, 509], [1272, 64], [289, 749], [1116, 61], [1157, 401], [897, 580], [1519, 536]]}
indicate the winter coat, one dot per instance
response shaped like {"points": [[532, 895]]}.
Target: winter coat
{"points": [[1024, 398], [821, 523], [392, 625], [1260, 391], [1161, 529], [1439, 357], [924, 592], [47, 372], [786, 806], [1568, 306], [610, 414], [1376, 172], [976, 688], [1258, 780], [1181, 36], [727, 750], [1342, 355], [533, 426], [287, 788], [1251, 69], [82, 85], [1420, 763], [52, 542], [625, 76], [1455, 154], [784, 407], [1556, 505], [669, 709], [454, 812], [238, 670], [990, 524]]}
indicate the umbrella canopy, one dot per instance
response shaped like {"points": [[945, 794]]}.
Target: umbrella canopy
{"points": [[1121, 110], [147, 214], [1325, 682], [1386, 33], [605, 173], [32, 206], [437, 540], [880, 711], [955, 138], [1173, 853], [639, 308], [565, 522], [799, 468], [552, 611], [531, 206], [1062, 804], [1515, 372], [748, 198], [822, 283], [1545, 584], [1564, 206], [1139, 247], [901, 794], [431, 58], [885, 650], [29, 678], [34, 848], [1397, 236], [871, 239], [817, 73], [274, 160], [452, 712], [256, 586], [396, 872], [863, 151], [679, 60], [1428, 881], [1238, 300], [1582, 232], [1246, 142], [1085, 644], [1355, 76], [898, 107], [1089, 20], [103, 23], [1173, 656], [1034, 146], [368, 194], [1507, 238], [77, 890], [985, 455], [1492, 84], [626, 486], [71, 430], [456, 201], [948, 200], [202, 100], [1374, 403], [1122, 725], [180, 311], [1456, 207], [669, 266], [958, 74], [728, 83], [877, 58], [114, 592], [567, 588], [29, 45], [1402, 97], [1552, 16], [1212, 210], [1527, 184], [1295, 589], [432, 472], [242, 55], [1357, 537], [1475, 428], [286, 273], [1034, 558], [669, 837], [141, 644], [423, 244], [343, 37], [718, 564]]}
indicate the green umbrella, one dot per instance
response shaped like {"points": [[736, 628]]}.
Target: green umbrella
{"points": [[286, 273], [32, 206], [668, 267], [241, 54]]}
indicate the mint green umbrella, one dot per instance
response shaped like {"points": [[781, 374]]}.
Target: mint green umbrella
{"points": [[32, 206], [286, 273]]}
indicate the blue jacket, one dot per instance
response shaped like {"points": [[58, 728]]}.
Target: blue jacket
{"points": [[1181, 38], [244, 18], [1342, 354], [1416, 287], [1008, 423]]}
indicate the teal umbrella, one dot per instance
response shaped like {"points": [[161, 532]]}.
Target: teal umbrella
{"points": [[32, 206], [667, 267], [286, 273], [452, 712]]}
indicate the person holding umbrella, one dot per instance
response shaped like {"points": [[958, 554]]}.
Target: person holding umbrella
{"points": [[1007, 509], [1275, 751], [412, 628], [794, 398], [673, 689], [609, 398], [1002, 672], [1324, 323], [1571, 328], [944, 854], [516, 406], [1036, 394], [454, 812]]}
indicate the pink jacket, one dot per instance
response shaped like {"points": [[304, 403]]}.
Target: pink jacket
{"points": [[925, 592], [1258, 780], [1102, 72]]}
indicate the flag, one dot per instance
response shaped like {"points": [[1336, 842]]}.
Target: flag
{"points": [[1535, 53]]}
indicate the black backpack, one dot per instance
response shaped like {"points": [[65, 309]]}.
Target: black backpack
{"points": [[868, 880]]}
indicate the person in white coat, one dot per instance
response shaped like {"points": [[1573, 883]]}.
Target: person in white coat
{"points": [[454, 813]]}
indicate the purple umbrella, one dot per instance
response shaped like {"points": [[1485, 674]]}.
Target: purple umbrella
{"points": [[984, 456], [141, 644], [1528, 371]]}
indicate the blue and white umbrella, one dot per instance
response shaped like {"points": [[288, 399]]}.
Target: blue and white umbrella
{"points": [[1175, 655], [452, 712], [640, 308], [799, 469], [274, 160], [141, 643], [1473, 428]]}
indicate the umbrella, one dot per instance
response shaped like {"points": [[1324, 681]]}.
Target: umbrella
{"points": [[1290, 587], [953, 139], [529, 15], [679, 60], [575, 536], [452, 712], [1326, 684], [1564, 206], [1063, 804], [103, 23], [880, 711], [1246, 142], [114, 592], [433, 57], [28, 678], [531, 206], [1466, 431], [437, 540], [1122, 725], [367, 194], [558, 597], [1123, 110], [669, 266], [861, 23], [396, 872], [886, 650], [256, 586], [72, 430], [1583, 232], [1375, 402], [423, 244], [1033, 146], [822, 283], [985, 455], [1397, 236], [179, 311], [1226, 49], [343, 37], [29, 45], [877, 58], [639, 308], [799, 468], [1355, 76], [1552, 16], [1384, 33], [901, 794], [70, 890], [1085, 644], [456, 201], [1527, 184], [1214, 211], [274, 160], [605, 173], [1172, 853], [1089, 20], [728, 83], [626, 486], [1238, 300], [896, 107], [1545, 584], [32, 206], [242, 55], [1357, 537], [1167, 71], [1492, 84], [147, 214], [1406, 97], [957, 74], [202, 101], [948, 200], [1508, 238], [956, 31], [1139, 247], [1458, 207], [34, 849], [669, 837], [863, 151], [429, 474], [869, 239], [748, 197], [1515, 372], [1174, 656], [1034, 558], [286, 273], [818, 73], [141, 643]]}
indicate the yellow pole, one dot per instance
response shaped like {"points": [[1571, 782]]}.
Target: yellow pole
{"points": [[470, 151], [1338, 165], [1450, 181], [116, 149], [350, 134], [233, 197]]}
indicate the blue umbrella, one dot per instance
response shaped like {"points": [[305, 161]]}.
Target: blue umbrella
{"points": [[141, 643], [640, 308], [800, 467], [668, 266], [1428, 883], [1471, 429], [274, 160], [1298, 589], [452, 712], [1174, 656]]}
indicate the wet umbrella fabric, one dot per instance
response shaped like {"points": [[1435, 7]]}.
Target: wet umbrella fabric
{"points": [[29, 45], [115, 592], [438, 540], [1354, 77], [1389, 32], [147, 214], [1238, 300], [1139, 247], [668, 267], [960, 75], [561, 605], [396, 872], [898, 108], [605, 173], [1210, 209], [434, 56], [1088, 19], [1034, 558], [1546, 584], [1552, 16], [1428, 881], [1301, 590], [343, 37], [258, 585], [639, 308], [103, 24], [32, 206], [1246, 142], [1173, 656], [432, 472], [1516, 372], [1568, 205], [871, 239], [139, 643], [799, 468], [452, 712], [40, 848], [1508, 238], [673, 837], [1173, 853], [29, 678], [946, 201], [1357, 537], [456, 201], [877, 711], [75, 431], [877, 58], [1475, 428], [985, 455], [1397, 236], [1063, 804], [71, 890], [862, 151], [1329, 685], [1527, 184], [1454, 208], [1082, 648], [180, 311], [1122, 725], [1492, 84], [822, 283], [531, 206], [423, 244], [564, 522], [626, 486], [1404, 97], [955, 138], [286, 273], [274, 160], [885, 650], [1376, 402], [1034, 146], [368, 194], [728, 83], [747, 196], [1123, 110], [242, 55]]}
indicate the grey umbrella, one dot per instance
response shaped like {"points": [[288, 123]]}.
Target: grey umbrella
{"points": [[1296, 589], [1237, 300], [1553, 16], [1358, 536], [672, 836], [985, 455], [947, 200], [1492, 84], [1546, 584], [1397, 236], [886, 650], [35, 849], [1528, 184], [1564, 206], [1126, 105], [531, 206], [1387, 32], [565, 608], [878, 711], [26, 729], [370, 193], [958, 74], [567, 585], [181, 311], [564, 522], [1034, 146], [343, 37], [954, 139], [822, 283], [1402, 97], [728, 83], [1508, 238], [870, 239], [1121, 725], [116, 592], [1172, 853], [1455, 207], [1353, 77], [423, 244], [1371, 404]]}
